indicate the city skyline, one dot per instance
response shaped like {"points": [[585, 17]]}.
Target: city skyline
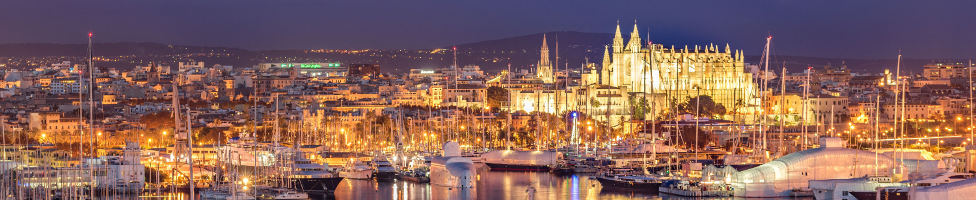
{"points": [[818, 29], [303, 99]]}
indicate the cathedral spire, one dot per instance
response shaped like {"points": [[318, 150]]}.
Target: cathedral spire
{"points": [[618, 40], [544, 67], [635, 42], [606, 55], [727, 48]]}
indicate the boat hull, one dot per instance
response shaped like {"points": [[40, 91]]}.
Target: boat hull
{"points": [[385, 176], [415, 179], [611, 184], [455, 172], [317, 184], [513, 167], [694, 193], [356, 175], [884, 195], [562, 171]]}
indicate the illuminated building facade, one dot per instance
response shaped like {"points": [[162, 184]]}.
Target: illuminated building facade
{"points": [[661, 72], [635, 69]]}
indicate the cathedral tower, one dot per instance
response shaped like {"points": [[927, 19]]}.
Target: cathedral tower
{"points": [[618, 41], [544, 67]]}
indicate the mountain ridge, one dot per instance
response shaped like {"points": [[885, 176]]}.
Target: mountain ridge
{"points": [[521, 51]]}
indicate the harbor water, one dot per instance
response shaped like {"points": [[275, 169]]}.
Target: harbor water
{"points": [[490, 185]]}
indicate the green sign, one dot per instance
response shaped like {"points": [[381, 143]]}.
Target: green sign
{"points": [[308, 65]]}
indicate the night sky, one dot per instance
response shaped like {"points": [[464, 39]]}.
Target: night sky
{"points": [[825, 28]]}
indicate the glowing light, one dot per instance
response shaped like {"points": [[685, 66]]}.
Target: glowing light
{"points": [[527, 105]]}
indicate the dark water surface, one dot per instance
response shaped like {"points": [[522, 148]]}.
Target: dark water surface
{"points": [[490, 185]]}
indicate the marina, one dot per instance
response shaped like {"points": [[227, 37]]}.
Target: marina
{"points": [[630, 111]]}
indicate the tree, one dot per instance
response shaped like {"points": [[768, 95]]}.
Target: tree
{"points": [[158, 120], [639, 107], [703, 105], [497, 95]]}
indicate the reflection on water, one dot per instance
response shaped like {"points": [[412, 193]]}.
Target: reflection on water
{"points": [[490, 185]]}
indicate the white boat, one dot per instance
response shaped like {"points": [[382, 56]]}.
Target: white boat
{"points": [[249, 154], [227, 193], [841, 188], [356, 170], [451, 169], [283, 194], [475, 156], [240, 195], [695, 189], [790, 173], [902, 189], [310, 176]]}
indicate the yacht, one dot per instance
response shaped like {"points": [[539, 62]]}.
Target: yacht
{"points": [[356, 170], [695, 188], [383, 169], [629, 181], [283, 194], [901, 190], [418, 175], [645, 184], [475, 156], [451, 169], [122, 174], [418, 170], [313, 177], [842, 188], [248, 156], [228, 192]]}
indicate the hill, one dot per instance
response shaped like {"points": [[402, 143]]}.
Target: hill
{"points": [[522, 52]]}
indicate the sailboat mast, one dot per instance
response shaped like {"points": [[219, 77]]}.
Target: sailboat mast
{"points": [[803, 109], [762, 97], [91, 140], [897, 130], [650, 67], [508, 125], [456, 100], [877, 130], [189, 139], [969, 69], [782, 109]]}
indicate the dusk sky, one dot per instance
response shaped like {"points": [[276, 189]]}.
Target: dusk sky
{"points": [[828, 28]]}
